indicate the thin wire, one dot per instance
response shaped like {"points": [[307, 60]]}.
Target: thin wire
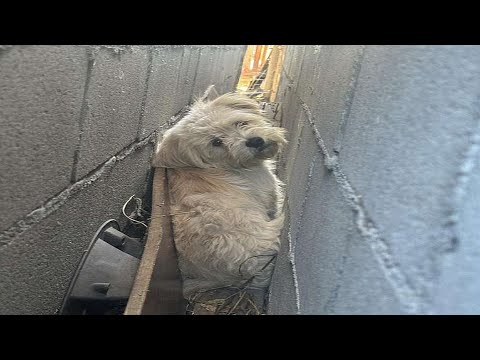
{"points": [[128, 217], [251, 257]]}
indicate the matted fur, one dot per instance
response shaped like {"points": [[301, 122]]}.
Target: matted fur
{"points": [[226, 200]]}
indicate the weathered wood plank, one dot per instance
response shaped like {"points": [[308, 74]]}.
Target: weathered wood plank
{"points": [[157, 289]]}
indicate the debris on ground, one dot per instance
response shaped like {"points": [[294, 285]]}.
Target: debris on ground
{"points": [[227, 301]]}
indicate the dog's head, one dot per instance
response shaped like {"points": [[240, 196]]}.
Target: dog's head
{"points": [[230, 131]]}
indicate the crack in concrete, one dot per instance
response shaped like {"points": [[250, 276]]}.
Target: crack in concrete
{"points": [[329, 161], [55, 203], [349, 96], [291, 258], [83, 114], [145, 92], [52, 205], [329, 307], [463, 178], [197, 65], [401, 285], [291, 243], [311, 168]]}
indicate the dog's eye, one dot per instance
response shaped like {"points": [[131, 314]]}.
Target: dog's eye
{"points": [[241, 123], [217, 142]]}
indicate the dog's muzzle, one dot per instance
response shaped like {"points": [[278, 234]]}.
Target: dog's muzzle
{"points": [[255, 142], [263, 149]]}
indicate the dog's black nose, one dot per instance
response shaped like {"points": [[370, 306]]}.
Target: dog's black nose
{"points": [[255, 142]]}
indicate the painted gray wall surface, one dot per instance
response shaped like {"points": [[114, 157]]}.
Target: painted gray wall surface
{"points": [[383, 174], [78, 125]]}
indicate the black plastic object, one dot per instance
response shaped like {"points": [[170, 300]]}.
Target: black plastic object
{"points": [[116, 238], [105, 275]]}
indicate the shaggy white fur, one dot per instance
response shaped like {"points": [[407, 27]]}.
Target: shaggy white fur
{"points": [[226, 200]]}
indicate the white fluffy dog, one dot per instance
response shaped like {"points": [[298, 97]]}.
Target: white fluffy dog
{"points": [[225, 199]]}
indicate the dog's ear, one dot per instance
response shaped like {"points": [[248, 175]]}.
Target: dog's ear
{"points": [[165, 152], [171, 154], [210, 94], [238, 102]]}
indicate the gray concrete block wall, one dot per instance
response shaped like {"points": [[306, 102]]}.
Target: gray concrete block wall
{"points": [[39, 85], [388, 220], [78, 124], [116, 82], [159, 104], [38, 265]]}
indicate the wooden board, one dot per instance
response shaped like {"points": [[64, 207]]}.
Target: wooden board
{"points": [[157, 289]]}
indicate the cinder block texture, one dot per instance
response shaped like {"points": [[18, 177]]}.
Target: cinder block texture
{"points": [[328, 87], [283, 288], [228, 69], [36, 268], [325, 228], [161, 89], [186, 77], [207, 71], [458, 283], [41, 90], [410, 123], [76, 124], [112, 104], [362, 288], [300, 169], [391, 226]]}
